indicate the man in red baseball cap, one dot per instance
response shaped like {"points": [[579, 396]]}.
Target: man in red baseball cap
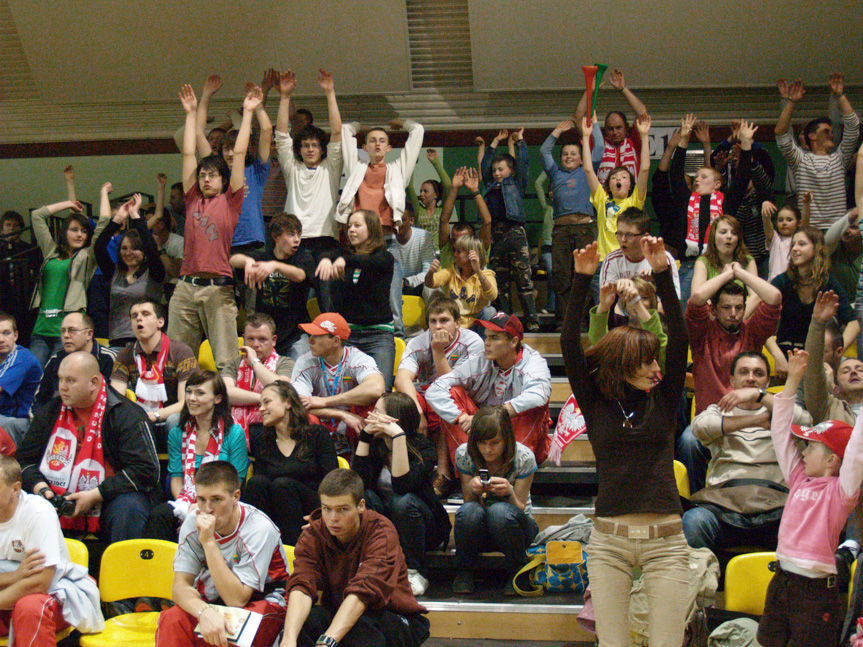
{"points": [[510, 374], [339, 384]]}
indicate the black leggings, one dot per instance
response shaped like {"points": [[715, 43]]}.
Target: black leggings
{"points": [[285, 500]]}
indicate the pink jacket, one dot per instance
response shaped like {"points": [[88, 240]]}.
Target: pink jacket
{"points": [[817, 508]]}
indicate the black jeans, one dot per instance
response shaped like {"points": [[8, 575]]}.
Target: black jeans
{"points": [[285, 500], [373, 629], [415, 523], [319, 247]]}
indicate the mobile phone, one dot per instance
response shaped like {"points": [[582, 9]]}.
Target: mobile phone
{"points": [[484, 477]]}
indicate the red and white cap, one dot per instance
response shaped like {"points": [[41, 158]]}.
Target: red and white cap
{"points": [[835, 434], [503, 322], [328, 323]]}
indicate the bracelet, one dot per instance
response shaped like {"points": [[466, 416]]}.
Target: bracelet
{"points": [[327, 641], [201, 612], [41, 491], [365, 437], [257, 360], [474, 193], [399, 435]]}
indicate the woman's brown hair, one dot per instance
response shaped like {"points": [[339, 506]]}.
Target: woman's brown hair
{"points": [[298, 419], [618, 355], [488, 422], [819, 265], [374, 227], [741, 254]]}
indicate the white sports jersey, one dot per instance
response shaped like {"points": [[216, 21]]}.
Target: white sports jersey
{"points": [[254, 553], [418, 357], [313, 376], [526, 385]]}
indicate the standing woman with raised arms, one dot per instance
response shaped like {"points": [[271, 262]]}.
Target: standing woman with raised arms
{"points": [[630, 410]]}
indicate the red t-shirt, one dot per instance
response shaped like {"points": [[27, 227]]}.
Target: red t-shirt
{"points": [[371, 194], [210, 224]]}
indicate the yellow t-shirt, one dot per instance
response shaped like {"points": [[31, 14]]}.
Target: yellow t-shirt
{"points": [[468, 294], [607, 209]]}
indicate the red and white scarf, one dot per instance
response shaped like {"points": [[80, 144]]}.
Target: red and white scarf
{"points": [[70, 468], [693, 211], [246, 414], [187, 495], [150, 387], [614, 156]]}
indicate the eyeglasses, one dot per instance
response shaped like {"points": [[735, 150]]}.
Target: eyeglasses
{"points": [[72, 331], [626, 236]]}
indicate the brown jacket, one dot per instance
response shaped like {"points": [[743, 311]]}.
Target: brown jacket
{"points": [[371, 566]]}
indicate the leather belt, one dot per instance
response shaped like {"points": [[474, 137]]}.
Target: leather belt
{"points": [[196, 280], [639, 532]]}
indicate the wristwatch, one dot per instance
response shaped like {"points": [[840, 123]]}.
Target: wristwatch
{"points": [[257, 360], [761, 394], [327, 641]]}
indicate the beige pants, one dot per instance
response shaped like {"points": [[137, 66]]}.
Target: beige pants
{"points": [[199, 312], [665, 565]]}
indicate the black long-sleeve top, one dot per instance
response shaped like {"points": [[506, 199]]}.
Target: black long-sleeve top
{"points": [[366, 297], [306, 465], [417, 480], [152, 262], [635, 470]]}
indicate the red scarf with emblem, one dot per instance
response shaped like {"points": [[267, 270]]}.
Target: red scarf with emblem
{"points": [[246, 414], [68, 467], [693, 211], [150, 387], [614, 156], [187, 495]]}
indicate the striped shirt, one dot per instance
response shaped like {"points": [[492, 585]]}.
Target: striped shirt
{"points": [[822, 175]]}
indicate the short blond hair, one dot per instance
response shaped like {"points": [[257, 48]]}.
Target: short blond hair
{"points": [[468, 243]]}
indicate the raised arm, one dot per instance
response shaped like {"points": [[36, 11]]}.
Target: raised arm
{"points": [[287, 84], [69, 176], [265, 137], [764, 290], [619, 83], [702, 133], [643, 125], [585, 263], [449, 206], [794, 93], [325, 80], [706, 290], [211, 86], [190, 162], [816, 393], [586, 162], [238, 165], [471, 181]]}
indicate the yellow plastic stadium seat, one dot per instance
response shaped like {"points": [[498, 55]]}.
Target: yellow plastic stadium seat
{"points": [[313, 308], [746, 581], [400, 350], [682, 478], [343, 463], [289, 553], [851, 351], [78, 553], [103, 342], [414, 312], [132, 569], [205, 354]]}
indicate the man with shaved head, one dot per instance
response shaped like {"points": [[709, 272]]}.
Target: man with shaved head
{"points": [[94, 447]]}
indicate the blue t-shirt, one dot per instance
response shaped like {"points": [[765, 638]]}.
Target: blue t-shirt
{"points": [[20, 374], [250, 226], [233, 450]]}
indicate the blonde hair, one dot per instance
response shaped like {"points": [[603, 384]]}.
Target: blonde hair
{"points": [[468, 243]]}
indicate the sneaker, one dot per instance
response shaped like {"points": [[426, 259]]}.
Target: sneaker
{"points": [[419, 584], [442, 485], [532, 326], [463, 583]]}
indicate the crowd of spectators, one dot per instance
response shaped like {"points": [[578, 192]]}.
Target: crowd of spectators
{"points": [[100, 375]]}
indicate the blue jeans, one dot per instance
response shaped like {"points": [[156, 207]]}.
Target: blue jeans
{"points": [[485, 314], [381, 347], [687, 269], [300, 347], [396, 291], [125, 517], [15, 427], [44, 347], [695, 457], [497, 526], [703, 529], [545, 257], [414, 521]]}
